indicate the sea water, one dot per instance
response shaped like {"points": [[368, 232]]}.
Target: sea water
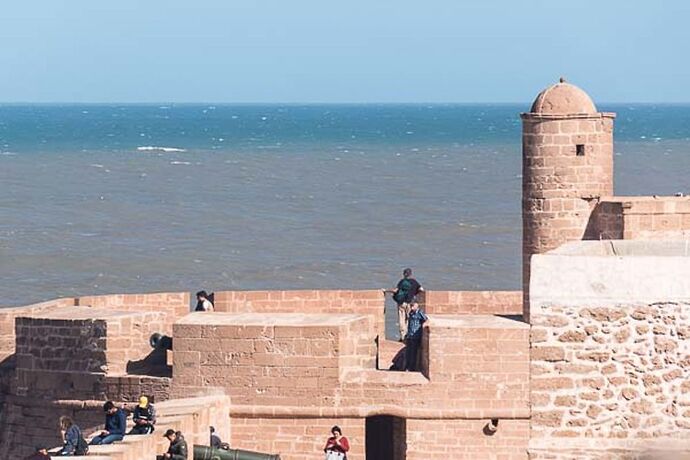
{"points": [[136, 198]]}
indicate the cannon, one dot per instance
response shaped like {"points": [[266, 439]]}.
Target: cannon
{"points": [[209, 453], [161, 341]]}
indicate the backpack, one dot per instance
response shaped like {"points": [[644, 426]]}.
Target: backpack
{"points": [[82, 446], [401, 294]]}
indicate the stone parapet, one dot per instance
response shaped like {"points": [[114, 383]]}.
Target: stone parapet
{"points": [[365, 302], [640, 218], [471, 302]]}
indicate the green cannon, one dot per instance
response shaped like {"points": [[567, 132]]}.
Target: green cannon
{"points": [[209, 453]]}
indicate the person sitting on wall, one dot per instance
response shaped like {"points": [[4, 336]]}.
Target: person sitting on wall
{"points": [[178, 446], [144, 417], [337, 445], [415, 320], [41, 453], [202, 302], [73, 441], [216, 442], [405, 294], [115, 425]]}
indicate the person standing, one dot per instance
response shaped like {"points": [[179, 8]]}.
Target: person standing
{"points": [[202, 302], [337, 445], [115, 425], [415, 320], [144, 417], [405, 294]]}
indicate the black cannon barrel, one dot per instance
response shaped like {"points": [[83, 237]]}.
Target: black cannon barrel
{"points": [[160, 341], [209, 453]]}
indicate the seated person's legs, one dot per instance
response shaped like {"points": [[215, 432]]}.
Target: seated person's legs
{"points": [[98, 440], [141, 429], [111, 438]]}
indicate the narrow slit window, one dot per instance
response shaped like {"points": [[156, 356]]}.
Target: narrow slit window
{"points": [[580, 150]]}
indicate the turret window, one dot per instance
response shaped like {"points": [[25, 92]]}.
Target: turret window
{"points": [[580, 150]]}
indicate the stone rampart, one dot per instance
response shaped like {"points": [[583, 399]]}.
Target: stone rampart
{"points": [[8, 316], [368, 302], [640, 218], [472, 302], [610, 349], [173, 304]]}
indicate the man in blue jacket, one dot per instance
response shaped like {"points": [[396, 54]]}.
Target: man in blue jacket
{"points": [[115, 425]]}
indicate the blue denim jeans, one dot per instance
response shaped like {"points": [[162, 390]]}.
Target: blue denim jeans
{"points": [[111, 438]]}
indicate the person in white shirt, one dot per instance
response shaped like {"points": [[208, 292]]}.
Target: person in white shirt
{"points": [[202, 302]]}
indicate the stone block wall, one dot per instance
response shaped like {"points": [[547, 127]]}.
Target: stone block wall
{"points": [[173, 304], [295, 438], [33, 420], [8, 315], [74, 339], [471, 302], [611, 372], [368, 302], [481, 360], [605, 222], [641, 218], [466, 440], [258, 358]]}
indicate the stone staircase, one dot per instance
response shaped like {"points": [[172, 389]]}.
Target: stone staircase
{"points": [[191, 416]]}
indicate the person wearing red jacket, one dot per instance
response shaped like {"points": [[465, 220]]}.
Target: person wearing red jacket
{"points": [[337, 443]]}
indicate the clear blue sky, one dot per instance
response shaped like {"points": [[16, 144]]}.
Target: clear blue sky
{"points": [[341, 51]]}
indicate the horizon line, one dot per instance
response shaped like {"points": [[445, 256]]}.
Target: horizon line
{"points": [[318, 103]]}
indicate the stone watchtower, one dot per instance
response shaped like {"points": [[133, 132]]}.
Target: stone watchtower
{"points": [[567, 164]]}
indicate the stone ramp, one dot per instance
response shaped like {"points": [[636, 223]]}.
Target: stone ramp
{"points": [[191, 416]]}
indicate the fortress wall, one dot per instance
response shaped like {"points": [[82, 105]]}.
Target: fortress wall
{"points": [[357, 345], [369, 302], [8, 315], [606, 222], [279, 359], [465, 440], [618, 371], [76, 340], [33, 420], [471, 302], [643, 217], [295, 438], [479, 359], [174, 304], [610, 350], [656, 218]]}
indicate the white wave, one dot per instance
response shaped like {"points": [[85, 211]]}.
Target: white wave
{"points": [[180, 163], [155, 148]]}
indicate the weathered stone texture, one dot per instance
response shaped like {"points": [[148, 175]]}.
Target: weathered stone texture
{"points": [[611, 371], [465, 440]]}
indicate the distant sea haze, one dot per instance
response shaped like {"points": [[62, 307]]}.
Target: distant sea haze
{"points": [[136, 198]]}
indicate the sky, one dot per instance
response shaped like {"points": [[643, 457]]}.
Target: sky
{"points": [[327, 51]]}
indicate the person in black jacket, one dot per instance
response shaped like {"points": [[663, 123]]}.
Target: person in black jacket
{"points": [[177, 449]]}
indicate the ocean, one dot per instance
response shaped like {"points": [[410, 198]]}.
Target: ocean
{"points": [[137, 198]]}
